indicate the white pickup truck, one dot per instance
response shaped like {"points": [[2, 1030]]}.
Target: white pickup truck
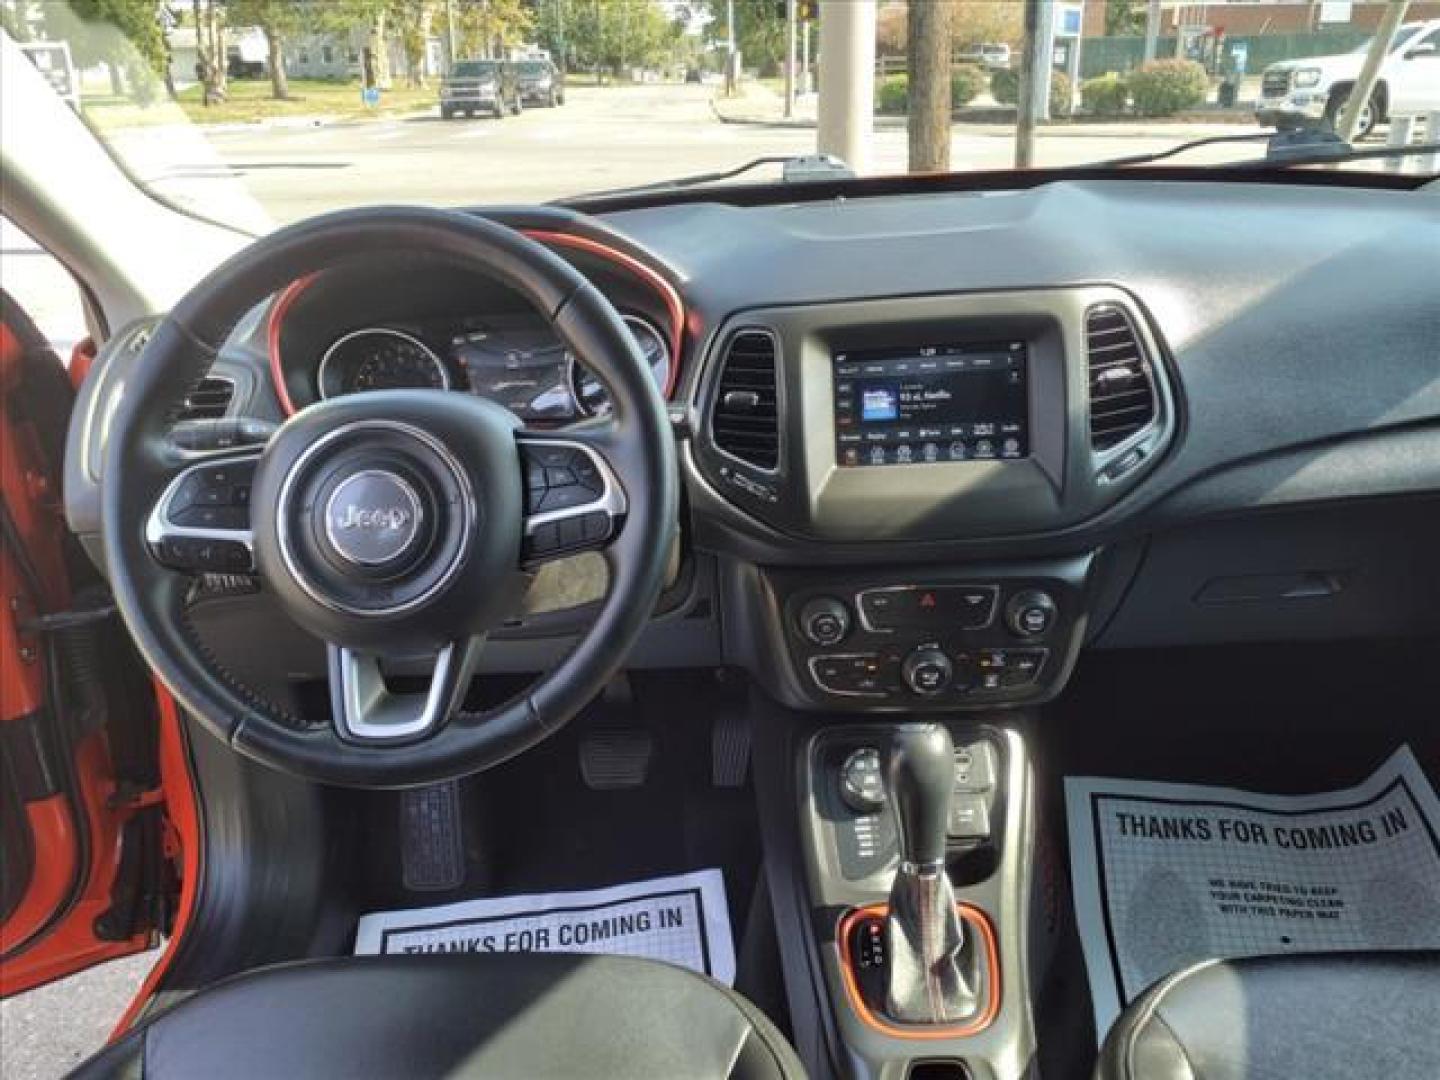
{"points": [[1297, 93]]}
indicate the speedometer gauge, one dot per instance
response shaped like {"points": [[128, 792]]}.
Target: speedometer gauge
{"points": [[379, 358], [591, 395]]}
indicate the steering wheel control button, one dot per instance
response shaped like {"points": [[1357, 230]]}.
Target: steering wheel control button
{"points": [[205, 555], [927, 672], [928, 607], [202, 523], [825, 621], [862, 784], [1030, 613], [571, 504], [373, 518]]}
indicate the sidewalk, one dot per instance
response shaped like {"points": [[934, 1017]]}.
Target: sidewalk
{"points": [[757, 104]]}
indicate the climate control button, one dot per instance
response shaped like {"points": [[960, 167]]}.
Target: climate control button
{"points": [[1030, 614], [927, 671]]}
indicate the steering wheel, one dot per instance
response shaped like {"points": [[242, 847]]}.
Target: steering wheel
{"points": [[393, 524]]}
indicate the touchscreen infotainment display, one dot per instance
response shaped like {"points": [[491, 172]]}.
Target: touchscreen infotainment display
{"points": [[931, 403]]}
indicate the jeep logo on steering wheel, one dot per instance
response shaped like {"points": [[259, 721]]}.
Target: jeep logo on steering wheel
{"points": [[361, 517], [372, 517]]}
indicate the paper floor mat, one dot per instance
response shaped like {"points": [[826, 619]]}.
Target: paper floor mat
{"points": [[1166, 875], [681, 919]]}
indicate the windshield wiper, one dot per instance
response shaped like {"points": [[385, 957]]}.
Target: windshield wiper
{"points": [[1344, 152], [1182, 148], [1283, 150]]}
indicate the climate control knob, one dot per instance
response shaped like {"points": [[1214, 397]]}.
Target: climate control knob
{"points": [[1029, 614], [927, 671], [825, 621]]}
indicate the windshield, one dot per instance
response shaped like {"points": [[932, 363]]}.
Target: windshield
{"points": [[262, 112], [473, 69]]}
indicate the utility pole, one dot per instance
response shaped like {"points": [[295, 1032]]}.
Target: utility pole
{"points": [[1030, 59], [805, 85], [1152, 29], [847, 81], [730, 47], [1045, 66], [450, 33], [1390, 21], [927, 48], [790, 16]]}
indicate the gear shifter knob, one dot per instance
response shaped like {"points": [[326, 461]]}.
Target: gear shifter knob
{"points": [[921, 774]]}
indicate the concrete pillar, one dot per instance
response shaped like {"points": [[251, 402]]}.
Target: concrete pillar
{"points": [[847, 81]]}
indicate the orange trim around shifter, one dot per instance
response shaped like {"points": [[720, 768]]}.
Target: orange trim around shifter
{"points": [[973, 917]]}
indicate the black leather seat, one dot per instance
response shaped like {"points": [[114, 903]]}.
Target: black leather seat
{"points": [[1310, 1017], [535, 1015]]}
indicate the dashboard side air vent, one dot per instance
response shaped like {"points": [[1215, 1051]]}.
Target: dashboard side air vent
{"points": [[209, 400], [1122, 382], [744, 416]]}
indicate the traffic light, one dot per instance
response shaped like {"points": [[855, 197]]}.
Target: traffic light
{"points": [[807, 10]]}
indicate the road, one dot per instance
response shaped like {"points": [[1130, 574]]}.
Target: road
{"points": [[602, 138]]}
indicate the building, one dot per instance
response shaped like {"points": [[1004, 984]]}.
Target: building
{"points": [[1253, 18]]}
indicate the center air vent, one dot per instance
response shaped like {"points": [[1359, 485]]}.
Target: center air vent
{"points": [[209, 400], [744, 418], [1122, 384]]}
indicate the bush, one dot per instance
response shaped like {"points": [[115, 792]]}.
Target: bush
{"points": [[1005, 89], [1164, 87], [1005, 86], [1106, 95], [966, 82], [892, 95]]}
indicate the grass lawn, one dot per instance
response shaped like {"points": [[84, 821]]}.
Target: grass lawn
{"points": [[249, 100]]}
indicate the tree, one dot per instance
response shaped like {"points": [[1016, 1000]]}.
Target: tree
{"points": [[210, 49], [124, 35], [759, 31], [611, 35], [490, 27], [412, 27], [981, 22], [928, 60], [972, 22], [1124, 18], [278, 20]]}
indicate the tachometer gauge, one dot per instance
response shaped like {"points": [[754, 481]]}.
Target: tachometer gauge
{"points": [[379, 358], [590, 393]]}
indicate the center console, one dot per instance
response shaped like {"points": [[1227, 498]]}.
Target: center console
{"points": [[849, 861]]}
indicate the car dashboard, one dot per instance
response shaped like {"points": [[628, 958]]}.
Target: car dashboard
{"points": [[935, 444]]}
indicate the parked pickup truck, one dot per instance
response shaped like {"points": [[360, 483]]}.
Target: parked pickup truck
{"points": [[1297, 93]]}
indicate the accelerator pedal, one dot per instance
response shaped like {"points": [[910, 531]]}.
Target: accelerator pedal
{"points": [[730, 749], [432, 843]]}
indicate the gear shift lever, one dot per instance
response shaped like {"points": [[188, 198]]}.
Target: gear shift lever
{"points": [[922, 774], [923, 931]]}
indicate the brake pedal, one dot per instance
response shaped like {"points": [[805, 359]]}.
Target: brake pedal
{"points": [[616, 759], [432, 845]]}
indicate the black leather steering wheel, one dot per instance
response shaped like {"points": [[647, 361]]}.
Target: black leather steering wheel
{"points": [[396, 523]]}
